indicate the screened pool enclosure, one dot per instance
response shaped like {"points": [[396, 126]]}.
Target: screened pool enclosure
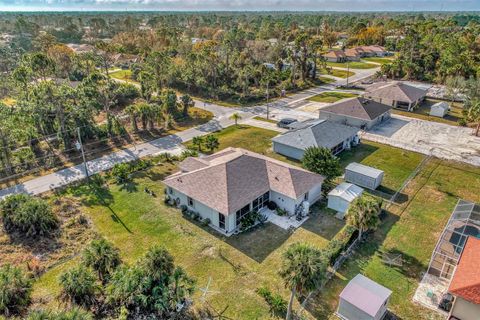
{"points": [[464, 222]]}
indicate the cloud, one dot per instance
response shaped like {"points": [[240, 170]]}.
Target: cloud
{"points": [[297, 5]]}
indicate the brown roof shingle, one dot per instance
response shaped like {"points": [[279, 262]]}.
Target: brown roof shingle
{"points": [[398, 91], [358, 108], [466, 280], [235, 177]]}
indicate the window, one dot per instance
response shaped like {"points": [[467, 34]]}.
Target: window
{"points": [[305, 197], [241, 213], [337, 149], [261, 201], [221, 221], [190, 202], [170, 190]]}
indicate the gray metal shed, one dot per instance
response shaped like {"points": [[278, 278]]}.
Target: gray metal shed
{"points": [[363, 175], [363, 299]]}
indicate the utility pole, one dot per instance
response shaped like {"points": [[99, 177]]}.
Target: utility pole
{"points": [[348, 71], [79, 146], [268, 107]]}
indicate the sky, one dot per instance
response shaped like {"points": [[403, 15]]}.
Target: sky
{"points": [[240, 5]]}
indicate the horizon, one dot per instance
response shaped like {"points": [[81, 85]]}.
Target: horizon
{"points": [[240, 6]]}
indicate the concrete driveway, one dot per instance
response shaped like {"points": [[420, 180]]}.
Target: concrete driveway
{"points": [[437, 139]]}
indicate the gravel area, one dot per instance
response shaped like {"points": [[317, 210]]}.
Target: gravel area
{"points": [[431, 138]]}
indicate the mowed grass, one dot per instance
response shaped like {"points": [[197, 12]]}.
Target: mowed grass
{"points": [[397, 163], [352, 65], [237, 266], [412, 230], [125, 75], [380, 60], [423, 112], [331, 96], [339, 73]]}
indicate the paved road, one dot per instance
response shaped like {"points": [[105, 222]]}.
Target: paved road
{"points": [[173, 143]]}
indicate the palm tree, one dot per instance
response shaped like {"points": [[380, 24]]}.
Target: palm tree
{"points": [[473, 115], [79, 286], [102, 257], [197, 141], [236, 116], [363, 214], [132, 112], [186, 102], [303, 270], [211, 142]]}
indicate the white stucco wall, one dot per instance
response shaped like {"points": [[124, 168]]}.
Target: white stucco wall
{"points": [[288, 151], [465, 310], [338, 204], [353, 122]]}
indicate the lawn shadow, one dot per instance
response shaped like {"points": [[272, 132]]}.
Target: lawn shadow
{"points": [[387, 193], [93, 193], [323, 224], [404, 263], [324, 303], [356, 154]]}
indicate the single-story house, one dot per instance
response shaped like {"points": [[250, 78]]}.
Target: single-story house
{"points": [[396, 94], [81, 48], [363, 299], [340, 198], [377, 50], [315, 133], [335, 56], [439, 109], [231, 183], [363, 176], [353, 54], [122, 59], [465, 284], [356, 112]]}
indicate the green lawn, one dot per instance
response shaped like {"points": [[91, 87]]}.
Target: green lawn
{"points": [[411, 229], [397, 163], [265, 119], [331, 96], [380, 60], [337, 72], [352, 65], [125, 75], [423, 112]]}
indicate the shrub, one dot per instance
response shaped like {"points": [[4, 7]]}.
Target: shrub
{"points": [[278, 306], [341, 241], [120, 172], [184, 208], [79, 286], [249, 220], [29, 215], [281, 212], [15, 290], [323, 162], [188, 153], [206, 222]]}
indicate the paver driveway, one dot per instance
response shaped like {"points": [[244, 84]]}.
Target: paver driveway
{"points": [[432, 138]]}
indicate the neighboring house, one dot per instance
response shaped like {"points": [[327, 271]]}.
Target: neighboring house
{"points": [[340, 198], [335, 56], [124, 60], [372, 51], [363, 176], [465, 285], [439, 109], [229, 184], [315, 133], [396, 94], [363, 299], [352, 54], [81, 48], [356, 112]]}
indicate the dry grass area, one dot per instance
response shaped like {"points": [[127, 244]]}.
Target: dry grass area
{"points": [[39, 255]]}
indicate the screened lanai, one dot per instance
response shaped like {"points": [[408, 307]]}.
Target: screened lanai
{"points": [[464, 222]]}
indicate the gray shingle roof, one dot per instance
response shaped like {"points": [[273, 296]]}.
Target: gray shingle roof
{"points": [[364, 170], [360, 108], [398, 91], [318, 133], [235, 177]]}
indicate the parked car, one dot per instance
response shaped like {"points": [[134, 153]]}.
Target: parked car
{"points": [[286, 122]]}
